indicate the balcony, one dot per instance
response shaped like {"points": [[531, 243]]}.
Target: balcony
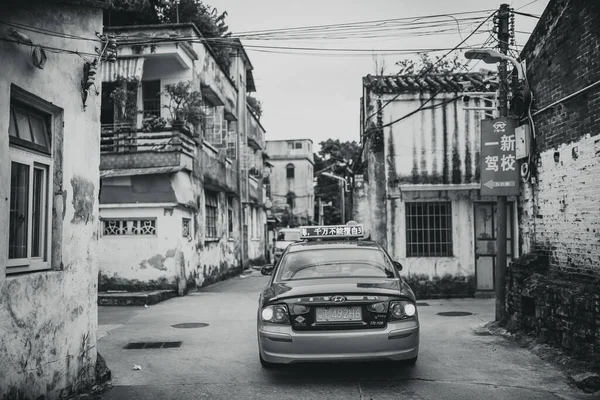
{"points": [[255, 190], [220, 173], [122, 147]]}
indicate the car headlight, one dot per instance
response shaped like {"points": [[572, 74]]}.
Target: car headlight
{"points": [[402, 310], [277, 314]]}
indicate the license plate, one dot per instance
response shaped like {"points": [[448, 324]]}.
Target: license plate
{"points": [[339, 314]]}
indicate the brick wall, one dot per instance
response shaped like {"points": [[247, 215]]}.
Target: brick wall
{"points": [[559, 208]]}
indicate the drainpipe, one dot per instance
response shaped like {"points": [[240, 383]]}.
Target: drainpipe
{"points": [[239, 165]]}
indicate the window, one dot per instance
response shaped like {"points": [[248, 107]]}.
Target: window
{"points": [[231, 140], [215, 126], [230, 216], [31, 163], [291, 145], [290, 171], [185, 228], [151, 98], [429, 229], [254, 223], [211, 207], [298, 145], [129, 227]]}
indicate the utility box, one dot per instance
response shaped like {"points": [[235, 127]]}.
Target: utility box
{"points": [[522, 141]]}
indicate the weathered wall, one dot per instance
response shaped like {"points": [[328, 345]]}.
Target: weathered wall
{"points": [[48, 319], [559, 214], [301, 184], [161, 261], [439, 145], [462, 262], [218, 258]]}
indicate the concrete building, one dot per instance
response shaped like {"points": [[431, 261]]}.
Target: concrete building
{"points": [[181, 204], [418, 190], [49, 156], [554, 290], [291, 181]]}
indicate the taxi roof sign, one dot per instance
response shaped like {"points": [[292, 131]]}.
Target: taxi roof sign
{"points": [[332, 232]]}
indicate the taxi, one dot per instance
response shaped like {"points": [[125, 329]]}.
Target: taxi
{"points": [[335, 297]]}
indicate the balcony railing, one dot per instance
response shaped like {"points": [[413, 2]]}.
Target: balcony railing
{"points": [[121, 146]]}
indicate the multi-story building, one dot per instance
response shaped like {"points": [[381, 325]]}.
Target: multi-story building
{"points": [[291, 181], [49, 156], [180, 206], [418, 192]]}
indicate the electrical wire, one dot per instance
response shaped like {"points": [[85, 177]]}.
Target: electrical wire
{"points": [[431, 67]]}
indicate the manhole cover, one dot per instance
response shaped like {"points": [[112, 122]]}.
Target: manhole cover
{"points": [[152, 345], [422, 304], [190, 325], [454, 314]]}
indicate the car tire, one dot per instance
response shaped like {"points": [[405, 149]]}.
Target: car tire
{"points": [[265, 364], [411, 361]]}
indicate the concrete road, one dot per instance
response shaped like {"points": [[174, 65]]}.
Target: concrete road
{"points": [[220, 361]]}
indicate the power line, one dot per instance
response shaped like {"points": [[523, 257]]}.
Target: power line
{"points": [[432, 66]]}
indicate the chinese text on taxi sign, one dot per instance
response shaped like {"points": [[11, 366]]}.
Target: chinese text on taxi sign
{"points": [[500, 172], [342, 231]]}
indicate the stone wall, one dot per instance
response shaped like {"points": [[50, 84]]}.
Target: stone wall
{"points": [[559, 312]]}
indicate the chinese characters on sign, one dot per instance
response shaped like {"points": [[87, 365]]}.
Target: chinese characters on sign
{"points": [[500, 173], [332, 231]]}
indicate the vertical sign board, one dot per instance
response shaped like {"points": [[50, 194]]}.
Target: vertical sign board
{"points": [[500, 172]]}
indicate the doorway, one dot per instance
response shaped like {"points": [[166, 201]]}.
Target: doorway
{"points": [[486, 224]]}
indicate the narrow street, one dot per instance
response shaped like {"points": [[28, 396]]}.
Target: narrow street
{"points": [[220, 361]]}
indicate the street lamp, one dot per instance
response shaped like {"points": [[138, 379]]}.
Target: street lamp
{"points": [[339, 178], [489, 56]]}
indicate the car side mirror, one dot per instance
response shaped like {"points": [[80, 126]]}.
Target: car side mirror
{"points": [[398, 265], [266, 270]]}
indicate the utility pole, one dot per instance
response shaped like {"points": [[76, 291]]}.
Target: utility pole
{"points": [[503, 38], [320, 211], [343, 202]]}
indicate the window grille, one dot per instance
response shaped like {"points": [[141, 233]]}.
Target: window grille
{"points": [[129, 227], [429, 229], [211, 206]]}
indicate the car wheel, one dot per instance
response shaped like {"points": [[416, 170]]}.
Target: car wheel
{"points": [[411, 361], [265, 364]]}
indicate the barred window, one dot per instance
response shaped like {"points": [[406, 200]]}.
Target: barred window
{"points": [[185, 228], [129, 227], [230, 216], [429, 229], [211, 206]]}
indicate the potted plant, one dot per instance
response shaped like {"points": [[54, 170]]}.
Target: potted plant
{"points": [[185, 104]]}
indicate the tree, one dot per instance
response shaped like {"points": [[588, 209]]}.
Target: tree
{"points": [[335, 157], [207, 19], [435, 66]]}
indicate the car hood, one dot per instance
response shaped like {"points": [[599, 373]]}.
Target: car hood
{"points": [[307, 287]]}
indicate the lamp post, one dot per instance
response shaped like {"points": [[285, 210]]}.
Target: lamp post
{"points": [[343, 188], [491, 57]]}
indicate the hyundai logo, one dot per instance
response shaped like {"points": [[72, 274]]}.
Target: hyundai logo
{"points": [[338, 299]]}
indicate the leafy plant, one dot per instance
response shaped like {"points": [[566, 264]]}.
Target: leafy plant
{"points": [[426, 64], [152, 124], [185, 104], [125, 99], [255, 104]]}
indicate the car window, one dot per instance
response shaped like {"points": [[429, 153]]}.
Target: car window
{"points": [[335, 263], [288, 236]]}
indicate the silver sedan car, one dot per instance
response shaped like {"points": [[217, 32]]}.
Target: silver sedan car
{"points": [[336, 299]]}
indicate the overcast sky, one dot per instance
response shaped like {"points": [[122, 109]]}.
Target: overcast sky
{"points": [[318, 96]]}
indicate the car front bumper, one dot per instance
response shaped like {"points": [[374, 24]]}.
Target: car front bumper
{"points": [[280, 344]]}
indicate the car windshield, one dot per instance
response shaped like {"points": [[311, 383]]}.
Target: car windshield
{"points": [[335, 263], [289, 236]]}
